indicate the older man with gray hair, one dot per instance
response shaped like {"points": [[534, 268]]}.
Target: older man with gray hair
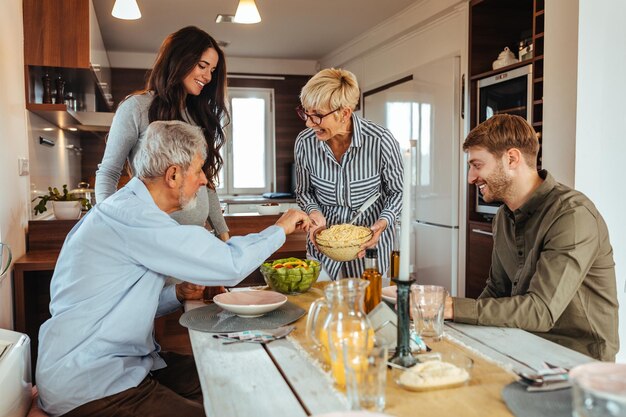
{"points": [[97, 353]]}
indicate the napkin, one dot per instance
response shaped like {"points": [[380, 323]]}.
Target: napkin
{"points": [[255, 336]]}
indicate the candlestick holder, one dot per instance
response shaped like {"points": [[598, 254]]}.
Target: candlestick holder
{"points": [[403, 355]]}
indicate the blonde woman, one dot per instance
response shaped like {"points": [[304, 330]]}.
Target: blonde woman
{"points": [[341, 160]]}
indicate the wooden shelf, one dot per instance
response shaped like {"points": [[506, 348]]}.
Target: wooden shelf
{"points": [[511, 110], [500, 70], [54, 113], [538, 102], [539, 13], [538, 80], [537, 124], [60, 116]]}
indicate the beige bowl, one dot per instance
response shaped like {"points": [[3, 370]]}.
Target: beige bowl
{"points": [[341, 251], [268, 209]]}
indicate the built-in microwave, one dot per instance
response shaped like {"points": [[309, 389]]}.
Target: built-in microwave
{"points": [[508, 92]]}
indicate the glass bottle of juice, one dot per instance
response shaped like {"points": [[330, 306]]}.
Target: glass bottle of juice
{"points": [[373, 293], [395, 255]]}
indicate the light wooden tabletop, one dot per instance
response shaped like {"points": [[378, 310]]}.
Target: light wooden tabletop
{"points": [[285, 377]]}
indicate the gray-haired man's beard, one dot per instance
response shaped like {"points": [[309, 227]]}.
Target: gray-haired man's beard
{"points": [[187, 204]]}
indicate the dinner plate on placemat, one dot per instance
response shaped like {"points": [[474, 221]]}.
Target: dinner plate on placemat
{"points": [[214, 319], [532, 404]]}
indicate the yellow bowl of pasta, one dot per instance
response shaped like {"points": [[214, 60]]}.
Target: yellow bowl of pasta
{"points": [[342, 242]]}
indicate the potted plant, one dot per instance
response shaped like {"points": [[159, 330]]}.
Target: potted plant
{"points": [[65, 205]]}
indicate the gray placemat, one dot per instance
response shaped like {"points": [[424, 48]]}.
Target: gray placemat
{"points": [[213, 319], [537, 404]]}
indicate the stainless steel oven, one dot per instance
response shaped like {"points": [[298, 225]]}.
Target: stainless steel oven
{"points": [[507, 92]]}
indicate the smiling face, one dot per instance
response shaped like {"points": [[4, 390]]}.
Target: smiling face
{"points": [[488, 173], [190, 183], [336, 123], [201, 73]]}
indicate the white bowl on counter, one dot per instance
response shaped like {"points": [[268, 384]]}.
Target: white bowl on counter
{"points": [[268, 209]]}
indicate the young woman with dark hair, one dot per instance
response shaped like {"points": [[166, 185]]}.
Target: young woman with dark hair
{"points": [[187, 83]]}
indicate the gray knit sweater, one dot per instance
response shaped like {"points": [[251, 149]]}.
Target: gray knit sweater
{"points": [[127, 130]]}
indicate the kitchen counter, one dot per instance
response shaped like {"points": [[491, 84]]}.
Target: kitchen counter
{"points": [[249, 204], [255, 199]]}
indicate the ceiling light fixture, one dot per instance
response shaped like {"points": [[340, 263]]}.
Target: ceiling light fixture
{"points": [[126, 9], [247, 12]]}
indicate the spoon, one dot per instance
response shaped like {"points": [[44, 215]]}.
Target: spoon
{"points": [[364, 207]]}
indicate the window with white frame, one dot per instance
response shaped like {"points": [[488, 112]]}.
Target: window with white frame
{"points": [[412, 120], [249, 151]]}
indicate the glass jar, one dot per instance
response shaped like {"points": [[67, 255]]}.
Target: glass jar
{"points": [[345, 325]]}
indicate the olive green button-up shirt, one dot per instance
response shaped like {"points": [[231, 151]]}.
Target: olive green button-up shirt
{"points": [[552, 273]]}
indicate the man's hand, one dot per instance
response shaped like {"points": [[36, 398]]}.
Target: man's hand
{"points": [[377, 229], [210, 292], [318, 221], [189, 291], [448, 309], [293, 220]]}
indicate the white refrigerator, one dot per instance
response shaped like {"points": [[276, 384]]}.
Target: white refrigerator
{"points": [[436, 164], [423, 113]]}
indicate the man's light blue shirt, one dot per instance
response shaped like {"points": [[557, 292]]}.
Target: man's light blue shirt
{"points": [[108, 287]]}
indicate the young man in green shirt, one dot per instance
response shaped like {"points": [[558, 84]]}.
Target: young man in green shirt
{"points": [[552, 270]]}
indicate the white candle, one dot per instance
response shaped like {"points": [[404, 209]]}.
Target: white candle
{"points": [[405, 219]]}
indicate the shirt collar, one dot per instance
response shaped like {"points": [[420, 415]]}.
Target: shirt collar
{"points": [[357, 132], [140, 190], [537, 197]]}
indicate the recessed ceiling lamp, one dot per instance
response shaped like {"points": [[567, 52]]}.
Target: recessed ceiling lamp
{"points": [[126, 9]]}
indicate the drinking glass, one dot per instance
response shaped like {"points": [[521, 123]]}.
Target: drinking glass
{"points": [[366, 377], [427, 305], [599, 389]]}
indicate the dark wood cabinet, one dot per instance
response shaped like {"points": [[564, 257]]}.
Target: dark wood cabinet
{"points": [[479, 248], [494, 25], [58, 33], [58, 42]]}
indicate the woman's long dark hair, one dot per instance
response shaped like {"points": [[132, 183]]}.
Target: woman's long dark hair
{"points": [[179, 54]]}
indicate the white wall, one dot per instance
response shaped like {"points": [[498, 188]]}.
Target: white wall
{"points": [[426, 31], [600, 138], [560, 79], [19, 138], [13, 144], [583, 121]]}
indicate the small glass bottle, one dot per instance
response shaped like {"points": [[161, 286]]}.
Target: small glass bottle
{"points": [[70, 101], [395, 255], [374, 291]]}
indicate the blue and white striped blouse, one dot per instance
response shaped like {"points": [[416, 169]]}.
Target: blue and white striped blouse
{"points": [[371, 164]]}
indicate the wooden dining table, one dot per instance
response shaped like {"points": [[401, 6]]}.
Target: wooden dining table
{"points": [[287, 377]]}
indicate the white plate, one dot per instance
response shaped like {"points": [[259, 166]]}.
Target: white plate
{"points": [[390, 294], [250, 303]]}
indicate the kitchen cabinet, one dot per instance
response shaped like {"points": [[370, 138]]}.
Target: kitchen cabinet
{"points": [[62, 39], [494, 25], [479, 248]]}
